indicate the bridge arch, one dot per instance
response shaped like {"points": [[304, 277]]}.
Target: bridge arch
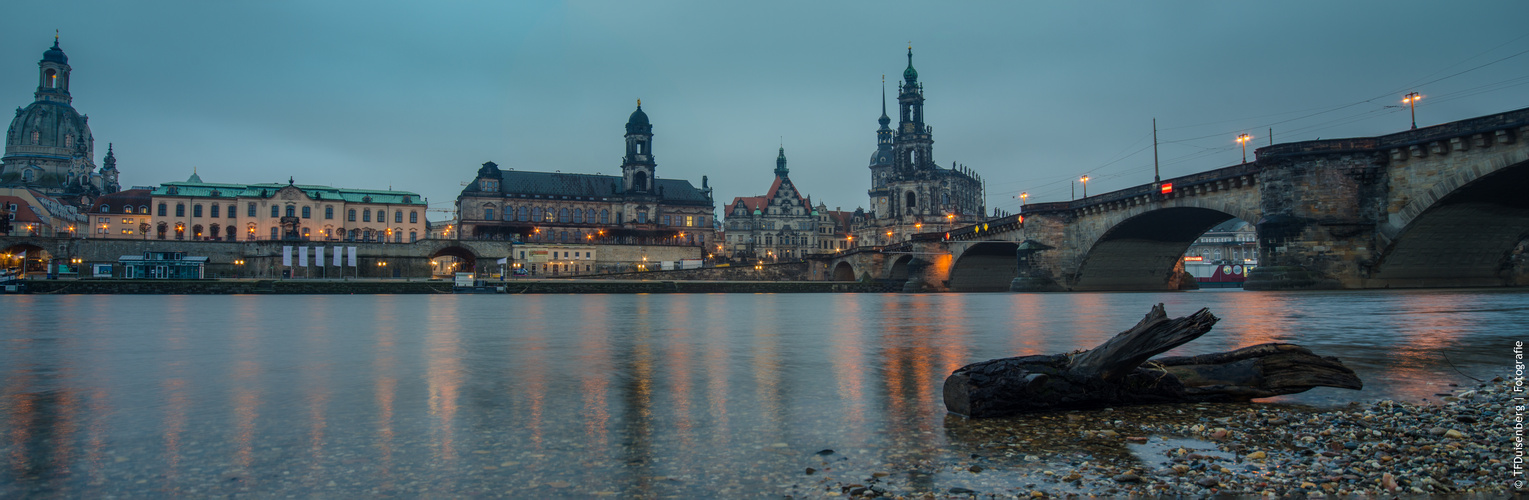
{"points": [[1141, 251], [469, 260], [1461, 233], [985, 267], [25, 257], [844, 271], [898, 270]]}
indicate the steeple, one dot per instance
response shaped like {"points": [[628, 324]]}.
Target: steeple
{"points": [[910, 75], [110, 163], [637, 166], [884, 120], [780, 163], [53, 75]]}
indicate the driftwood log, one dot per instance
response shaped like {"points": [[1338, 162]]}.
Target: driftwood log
{"points": [[1118, 372]]}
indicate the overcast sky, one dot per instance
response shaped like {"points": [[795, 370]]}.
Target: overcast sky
{"points": [[415, 95]]}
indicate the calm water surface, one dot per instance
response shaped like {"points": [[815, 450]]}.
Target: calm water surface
{"points": [[595, 395]]}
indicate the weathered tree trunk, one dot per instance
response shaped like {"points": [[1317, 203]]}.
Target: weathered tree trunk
{"points": [[1118, 372]]}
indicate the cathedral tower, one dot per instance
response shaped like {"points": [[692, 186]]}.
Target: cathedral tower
{"points": [[49, 146]]}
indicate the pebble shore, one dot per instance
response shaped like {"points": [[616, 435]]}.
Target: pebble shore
{"points": [[1459, 447]]}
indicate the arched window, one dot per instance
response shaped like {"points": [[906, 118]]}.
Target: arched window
{"points": [[351, 236], [536, 214], [563, 216], [196, 231], [523, 214], [912, 200], [366, 235], [230, 232], [307, 212], [143, 209], [215, 209], [565, 236], [196, 210], [413, 217], [352, 215], [398, 217], [413, 236], [366, 215], [578, 216], [106, 209], [605, 216], [214, 231], [509, 214], [180, 231], [549, 215], [162, 226], [397, 235], [329, 212], [291, 211], [36, 137]]}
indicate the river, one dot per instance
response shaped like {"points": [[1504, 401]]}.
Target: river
{"points": [[604, 395]]}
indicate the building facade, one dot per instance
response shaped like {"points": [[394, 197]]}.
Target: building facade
{"points": [[635, 208], [781, 224], [29, 212], [121, 215], [909, 191], [197, 210], [49, 147]]}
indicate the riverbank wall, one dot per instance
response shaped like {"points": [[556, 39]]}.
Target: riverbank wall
{"points": [[228, 287]]}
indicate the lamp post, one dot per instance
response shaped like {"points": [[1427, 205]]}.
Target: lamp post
{"points": [[1023, 198], [1411, 100], [1085, 185], [1243, 140]]}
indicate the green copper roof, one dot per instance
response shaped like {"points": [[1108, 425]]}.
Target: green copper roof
{"points": [[231, 191]]}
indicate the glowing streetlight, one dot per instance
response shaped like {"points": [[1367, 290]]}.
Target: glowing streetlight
{"points": [[1411, 100], [1243, 140], [1084, 179], [1023, 197]]}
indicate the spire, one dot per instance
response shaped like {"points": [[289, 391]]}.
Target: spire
{"points": [[910, 74], [780, 163], [110, 163], [884, 120]]}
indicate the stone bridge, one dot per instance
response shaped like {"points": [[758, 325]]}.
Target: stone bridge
{"points": [[260, 258], [1441, 206]]}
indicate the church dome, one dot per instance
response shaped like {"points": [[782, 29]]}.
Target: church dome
{"points": [[55, 54], [881, 157], [49, 129]]}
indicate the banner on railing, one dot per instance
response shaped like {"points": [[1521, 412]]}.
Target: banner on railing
{"points": [[286, 256], [302, 256], [350, 254]]}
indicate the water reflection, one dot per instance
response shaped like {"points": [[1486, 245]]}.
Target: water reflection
{"points": [[601, 395]]}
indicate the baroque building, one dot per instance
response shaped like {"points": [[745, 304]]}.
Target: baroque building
{"points": [[908, 189], [196, 210], [49, 147], [635, 208]]}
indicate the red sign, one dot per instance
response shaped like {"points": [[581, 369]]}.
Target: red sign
{"points": [[1167, 188], [1196, 258]]}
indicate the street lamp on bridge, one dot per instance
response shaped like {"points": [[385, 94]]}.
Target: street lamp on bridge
{"points": [[1243, 140], [1085, 185], [1411, 100]]}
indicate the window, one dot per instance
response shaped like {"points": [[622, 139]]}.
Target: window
{"points": [[196, 210], [215, 208], [352, 215], [307, 212], [605, 216], [291, 211], [413, 236], [397, 236], [700, 221], [180, 231], [231, 212], [413, 217], [642, 217], [275, 211], [351, 236], [536, 214], [366, 215], [398, 216], [523, 214], [180, 209], [273, 232], [564, 216], [689, 221], [549, 215], [666, 220], [305, 233], [578, 216], [329, 212], [488, 213], [251, 211], [143, 209]]}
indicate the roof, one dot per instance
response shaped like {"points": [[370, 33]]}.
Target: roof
{"points": [[592, 186], [25, 212], [119, 199], [750, 203], [231, 191], [841, 219]]}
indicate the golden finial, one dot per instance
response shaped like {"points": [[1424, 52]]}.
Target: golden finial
{"points": [[55, 35], [639, 103]]}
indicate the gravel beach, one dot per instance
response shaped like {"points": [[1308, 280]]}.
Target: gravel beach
{"points": [[1459, 445]]}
